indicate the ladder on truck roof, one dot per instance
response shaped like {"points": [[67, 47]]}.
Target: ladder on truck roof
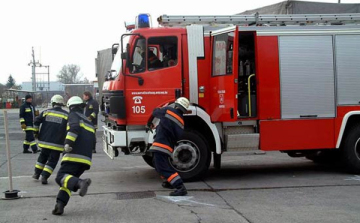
{"points": [[257, 19]]}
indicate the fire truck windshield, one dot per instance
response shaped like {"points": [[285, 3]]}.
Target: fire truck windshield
{"points": [[137, 57]]}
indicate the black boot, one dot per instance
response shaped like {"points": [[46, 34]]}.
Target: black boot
{"points": [[26, 151], [36, 176], [59, 209], [167, 185], [44, 180], [83, 186], [180, 191]]}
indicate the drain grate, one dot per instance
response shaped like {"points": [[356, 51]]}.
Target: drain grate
{"points": [[135, 195]]}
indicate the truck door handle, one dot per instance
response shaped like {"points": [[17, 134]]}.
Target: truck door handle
{"points": [[308, 116]]}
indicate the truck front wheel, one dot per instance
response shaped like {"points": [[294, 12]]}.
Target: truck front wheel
{"points": [[191, 157], [351, 150]]}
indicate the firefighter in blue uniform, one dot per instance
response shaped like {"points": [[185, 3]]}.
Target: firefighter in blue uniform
{"points": [[91, 111], [168, 132], [50, 138], [77, 156], [27, 116]]}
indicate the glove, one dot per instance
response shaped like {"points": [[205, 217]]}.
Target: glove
{"points": [[149, 127], [67, 148], [37, 113], [90, 118], [23, 126]]}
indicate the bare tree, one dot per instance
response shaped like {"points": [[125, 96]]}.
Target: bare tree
{"points": [[69, 74], [85, 81]]}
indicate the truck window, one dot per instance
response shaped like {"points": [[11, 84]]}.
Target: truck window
{"points": [[138, 57], [222, 54], [162, 52]]}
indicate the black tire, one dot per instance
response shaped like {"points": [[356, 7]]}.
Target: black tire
{"points": [[183, 153], [217, 161], [148, 160], [350, 150]]}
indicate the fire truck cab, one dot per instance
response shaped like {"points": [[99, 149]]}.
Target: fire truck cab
{"points": [[255, 83]]}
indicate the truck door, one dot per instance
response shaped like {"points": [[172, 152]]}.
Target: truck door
{"points": [[158, 63], [224, 74]]}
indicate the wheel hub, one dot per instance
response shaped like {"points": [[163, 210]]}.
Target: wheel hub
{"points": [[357, 148], [185, 156]]}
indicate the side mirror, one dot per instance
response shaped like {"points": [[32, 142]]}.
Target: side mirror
{"points": [[128, 62], [124, 56], [114, 49]]}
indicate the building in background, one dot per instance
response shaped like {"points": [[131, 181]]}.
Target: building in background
{"points": [[54, 86], [76, 90], [43, 95], [302, 7]]}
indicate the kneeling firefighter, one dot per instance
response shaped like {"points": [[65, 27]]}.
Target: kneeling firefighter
{"points": [[168, 132], [78, 147], [50, 138]]}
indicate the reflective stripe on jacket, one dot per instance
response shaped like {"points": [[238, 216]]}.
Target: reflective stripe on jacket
{"points": [[81, 137], [169, 130], [52, 124]]}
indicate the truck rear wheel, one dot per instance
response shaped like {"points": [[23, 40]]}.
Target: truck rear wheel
{"points": [[191, 157], [350, 150]]}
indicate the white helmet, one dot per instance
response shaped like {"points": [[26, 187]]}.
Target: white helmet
{"points": [[182, 103], [75, 100], [57, 99]]}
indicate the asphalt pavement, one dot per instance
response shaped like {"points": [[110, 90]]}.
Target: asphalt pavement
{"points": [[257, 188]]}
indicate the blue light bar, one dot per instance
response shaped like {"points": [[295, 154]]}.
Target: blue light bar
{"points": [[143, 21]]}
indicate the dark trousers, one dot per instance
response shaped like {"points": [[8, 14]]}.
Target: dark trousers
{"points": [[68, 179], [29, 140], [46, 162], [94, 149], [166, 171]]}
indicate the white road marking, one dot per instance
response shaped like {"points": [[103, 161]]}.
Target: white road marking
{"points": [[135, 167], [16, 177], [355, 177], [184, 199]]}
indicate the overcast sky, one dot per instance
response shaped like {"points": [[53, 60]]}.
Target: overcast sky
{"points": [[72, 31]]}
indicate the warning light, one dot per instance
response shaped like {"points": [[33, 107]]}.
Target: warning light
{"points": [[143, 21]]}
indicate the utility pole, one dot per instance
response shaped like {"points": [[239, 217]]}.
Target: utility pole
{"points": [[339, 1], [34, 64], [33, 71], [48, 88], [48, 73]]}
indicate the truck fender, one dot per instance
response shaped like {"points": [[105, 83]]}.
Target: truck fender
{"points": [[343, 126], [199, 112]]}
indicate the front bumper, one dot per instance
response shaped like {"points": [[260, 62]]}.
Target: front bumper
{"points": [[114, 139]]}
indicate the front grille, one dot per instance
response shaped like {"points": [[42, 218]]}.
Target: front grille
{"points": [[114, 104]]}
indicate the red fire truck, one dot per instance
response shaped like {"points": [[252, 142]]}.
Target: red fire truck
{"points": [[288, 83]]}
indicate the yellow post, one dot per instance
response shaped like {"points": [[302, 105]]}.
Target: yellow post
{"points": [[249, 92]]}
